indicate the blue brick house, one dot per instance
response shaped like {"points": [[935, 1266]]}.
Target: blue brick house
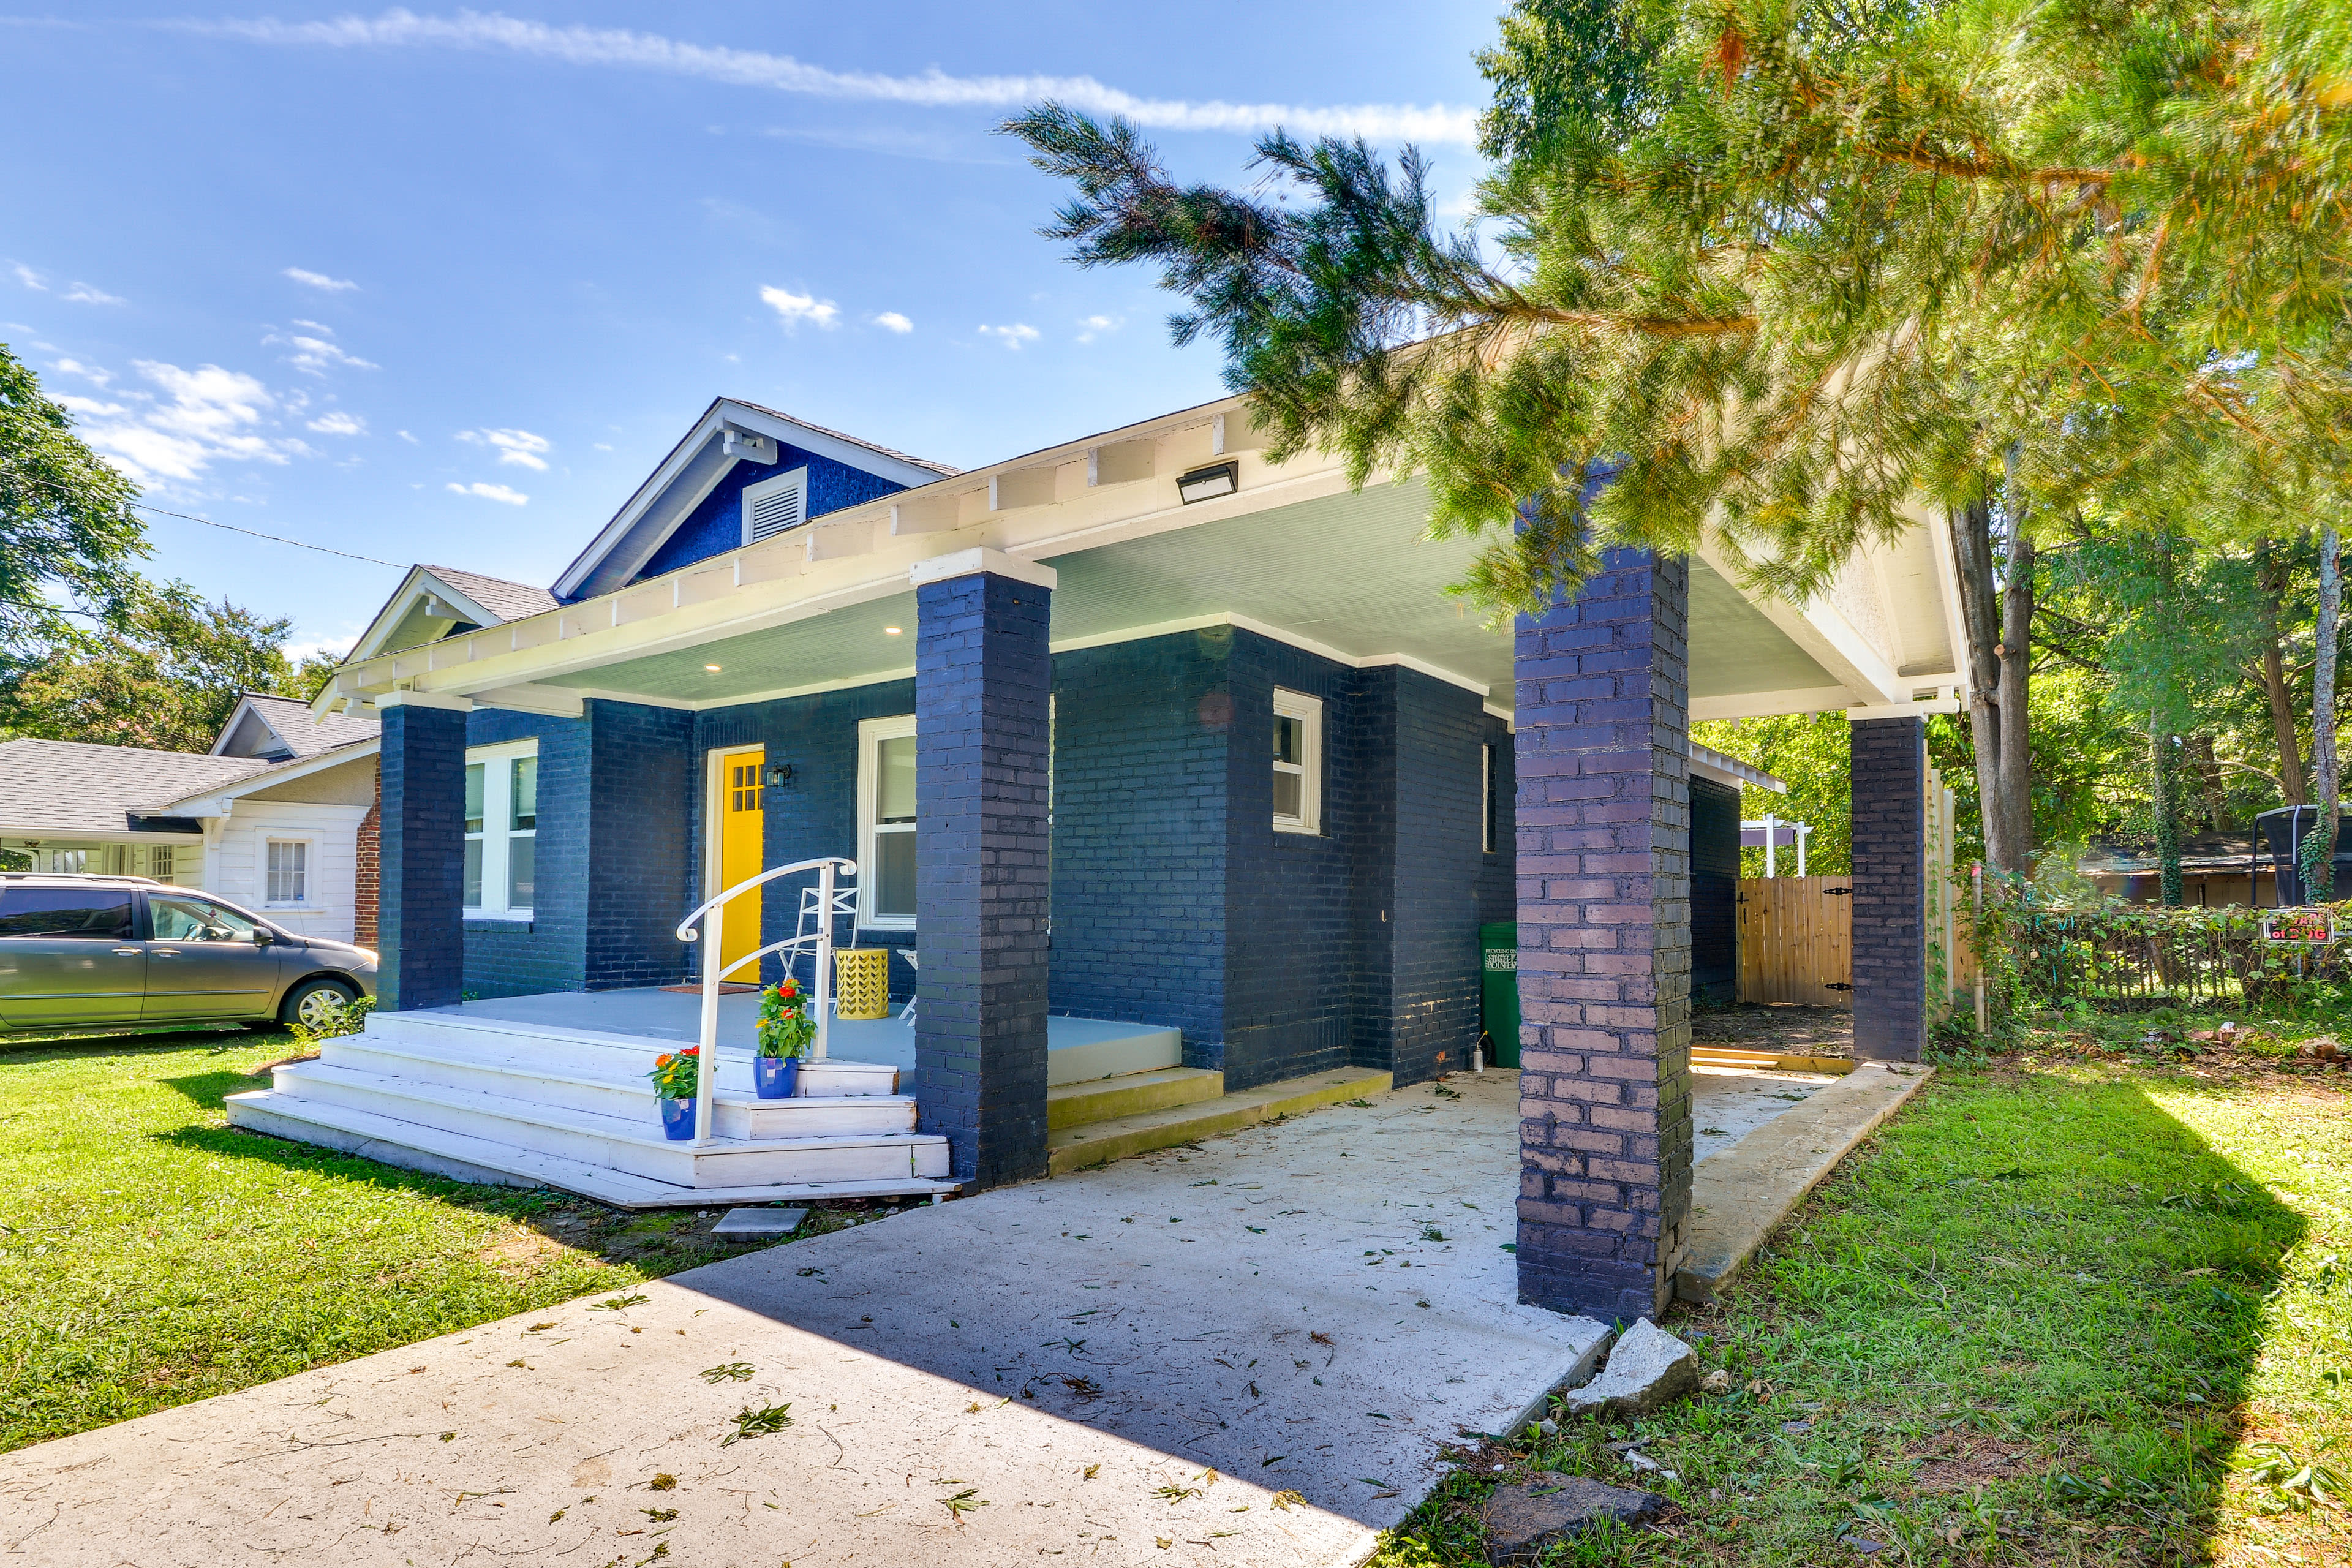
{"points": [[1144, 731]]}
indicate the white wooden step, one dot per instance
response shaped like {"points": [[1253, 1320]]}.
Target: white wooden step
{"points": [[593, 1053], [461, 1157], [633, 1144], [518, 1076]]}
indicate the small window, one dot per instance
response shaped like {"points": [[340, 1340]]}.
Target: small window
{"points": [[288, 871], [1486, 824], [885, 810], [502, 830], [92, 914], [1298, 762], [772, 506]]}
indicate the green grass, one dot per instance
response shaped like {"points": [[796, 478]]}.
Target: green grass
{"points": [[150, 1255], [2034, 1321]]}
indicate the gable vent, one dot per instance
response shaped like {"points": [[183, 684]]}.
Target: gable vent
{"points": [[772, 506]]}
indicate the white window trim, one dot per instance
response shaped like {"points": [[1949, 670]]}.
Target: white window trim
{"points": [[497, 779], [309, 900], [1485, 800], [791, 488], [1309, 710], [871, 733]]}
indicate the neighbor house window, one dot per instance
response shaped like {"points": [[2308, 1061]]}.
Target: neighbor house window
{"points": [[886, 823], [1486, 800], [1298, 762], [287, 872], [501, 830]]}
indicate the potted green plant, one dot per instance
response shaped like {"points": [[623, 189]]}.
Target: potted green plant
{"points": [[677, 1076], [785, 1031]]}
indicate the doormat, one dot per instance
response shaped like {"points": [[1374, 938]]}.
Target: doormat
{"points": [[726, 988]]}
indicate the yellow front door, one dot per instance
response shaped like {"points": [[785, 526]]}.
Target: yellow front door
{"points": [[741, 854]]}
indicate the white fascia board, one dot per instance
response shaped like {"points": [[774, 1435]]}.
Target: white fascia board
{"points": [[548, 701], [217, 800], [723, 412], [1904, 710], [1708, 763], [1771, 704], [964, 562], [389, 616], [52, 834], [228, 726]]}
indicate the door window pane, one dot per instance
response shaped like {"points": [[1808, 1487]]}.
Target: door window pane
{"points": [[894, 875], [522, 851], [895, 801], [98, 914]]}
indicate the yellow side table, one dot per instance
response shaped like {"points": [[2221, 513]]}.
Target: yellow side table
{"points": [[861, 982]]}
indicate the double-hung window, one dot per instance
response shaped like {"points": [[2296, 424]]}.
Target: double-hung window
{"points": [[886, 823], [286, 871], [501, 830], [1298, 762]]}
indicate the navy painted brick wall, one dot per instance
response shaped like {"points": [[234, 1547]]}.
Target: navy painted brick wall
{"points": [[1714, 892], [1433, 896], [641, 777], [421, 770], [1890, 887], [1140, 737], [983, 684], [715, 525]]}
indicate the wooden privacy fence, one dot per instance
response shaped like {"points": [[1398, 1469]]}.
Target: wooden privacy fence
{"points": [[1795, 940]]}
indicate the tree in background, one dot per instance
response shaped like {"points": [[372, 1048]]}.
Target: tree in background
{"points": [[1811, 754], [90, 650], [1783, 267]]}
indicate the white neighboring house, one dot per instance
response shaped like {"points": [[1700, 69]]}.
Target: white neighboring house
{"points": [[272, 819]]}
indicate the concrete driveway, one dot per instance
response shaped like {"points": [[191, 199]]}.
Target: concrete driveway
{"points": [[1132, 1365]]}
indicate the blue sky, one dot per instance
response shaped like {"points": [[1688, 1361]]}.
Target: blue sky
{"points": [[444, 285]]}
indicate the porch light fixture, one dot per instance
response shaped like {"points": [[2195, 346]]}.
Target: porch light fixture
{"points": [[1208, 483], [780, 775]]}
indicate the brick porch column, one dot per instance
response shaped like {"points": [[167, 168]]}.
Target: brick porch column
{"points": [[1603, 821], [984, 680], [1890, 887], [420, 856]]}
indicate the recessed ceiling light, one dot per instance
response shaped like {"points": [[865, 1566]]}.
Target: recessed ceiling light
{"points": [[711, 667], [892, 631]]}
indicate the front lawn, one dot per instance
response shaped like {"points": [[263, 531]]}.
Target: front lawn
{"points": [[155, 1255], [2044, 1317]]}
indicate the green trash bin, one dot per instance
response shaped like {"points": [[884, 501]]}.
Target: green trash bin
{"points": [[1498, 981]]}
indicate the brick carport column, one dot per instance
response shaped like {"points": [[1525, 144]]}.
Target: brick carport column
{"points": [[420, 855], [983, 683], [1889, 763], [1603, 828]]}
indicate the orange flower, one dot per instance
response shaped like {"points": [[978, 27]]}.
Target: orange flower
{"points": [[662, 1061]]}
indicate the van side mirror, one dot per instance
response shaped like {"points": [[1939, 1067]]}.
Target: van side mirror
{"points": [[261, 936]]}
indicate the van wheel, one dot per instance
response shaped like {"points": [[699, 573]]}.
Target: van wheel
{"points": [[315, 1004]]}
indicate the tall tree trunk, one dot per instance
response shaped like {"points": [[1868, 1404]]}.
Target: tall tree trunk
{"points": [[2212, 792], [2165, 778], [1998, 616], [2319, 850], [2274, 687]]}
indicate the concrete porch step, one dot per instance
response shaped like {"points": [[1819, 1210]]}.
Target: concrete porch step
{"points": [[631, 1144], [549, 1077], [1129, 1094], [1082, 1148], [461, 1157]]}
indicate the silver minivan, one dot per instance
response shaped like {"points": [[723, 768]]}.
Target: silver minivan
{"points": [[90, 954]]}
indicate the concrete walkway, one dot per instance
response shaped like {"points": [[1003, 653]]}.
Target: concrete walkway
{"points": [[1131, 1366]]}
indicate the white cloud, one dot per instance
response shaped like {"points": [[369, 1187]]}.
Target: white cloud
{"points": [[313, 354], [1012, 337], [28, 278], [492, 492], [319, 280], [83, 294], [335, 422], [407, 437], [1093, 325], [89, 372], [894, 322], [602, 445], [520, 448], [795, 308], [931, 88], [192, 419]]}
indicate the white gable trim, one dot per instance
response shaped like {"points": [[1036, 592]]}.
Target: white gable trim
{"points": [[218, 800], [693, 470], [420, 583]]}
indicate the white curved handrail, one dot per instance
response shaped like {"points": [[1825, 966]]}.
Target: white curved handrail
{"points": [[715, 970]]}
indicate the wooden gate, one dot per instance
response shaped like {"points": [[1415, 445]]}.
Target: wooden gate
{"points": [[1795, 940]]}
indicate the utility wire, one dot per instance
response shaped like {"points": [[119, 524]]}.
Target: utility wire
{"points": [[208, 522]]}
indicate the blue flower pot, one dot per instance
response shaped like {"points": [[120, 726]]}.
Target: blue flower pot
{"points": [[776, 1078], [678, 1118]]}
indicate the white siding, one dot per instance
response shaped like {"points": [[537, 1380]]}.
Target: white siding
{"points": [[237, 860]]}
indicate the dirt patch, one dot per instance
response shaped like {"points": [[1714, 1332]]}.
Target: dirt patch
{"points": [[1785, 1028], [1957, 1461]]}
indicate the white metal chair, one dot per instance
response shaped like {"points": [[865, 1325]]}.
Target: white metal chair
{"points": [[845, 907], [907, 1013]]}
